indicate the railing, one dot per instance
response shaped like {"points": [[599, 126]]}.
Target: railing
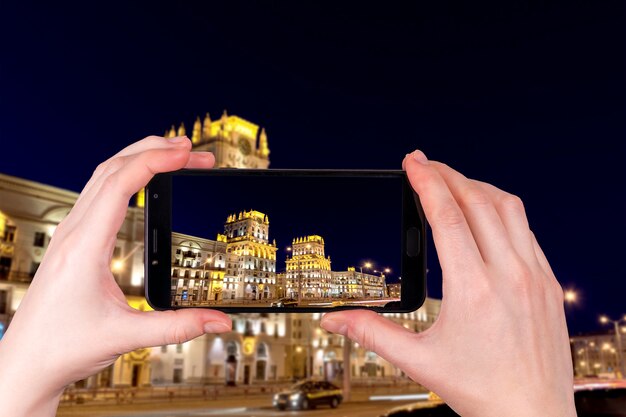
{"points": [[167, 393], [18, 276]]}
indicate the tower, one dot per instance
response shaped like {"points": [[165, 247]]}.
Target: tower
{"points": [[231, 139], [247, 237], [308, 274]]}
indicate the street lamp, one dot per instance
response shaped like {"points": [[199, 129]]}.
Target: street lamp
{"points": [[618, 337], [367, 265]]}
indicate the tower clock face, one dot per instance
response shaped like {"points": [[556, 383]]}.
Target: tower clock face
{"points": [[244, 146]]}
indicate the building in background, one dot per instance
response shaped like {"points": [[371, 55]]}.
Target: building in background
{"points": [[595, 354], [394, 290], [262, 347]]}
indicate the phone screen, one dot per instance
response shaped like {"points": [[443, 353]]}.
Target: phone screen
{"points": [[285, 242]]}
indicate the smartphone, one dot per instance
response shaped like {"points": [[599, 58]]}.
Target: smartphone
{"points": [[284, 240]]}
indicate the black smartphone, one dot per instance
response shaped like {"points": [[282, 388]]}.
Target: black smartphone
{"points": [[284, 240]]}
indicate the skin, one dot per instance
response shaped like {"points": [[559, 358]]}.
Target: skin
{"points": [[499, 346]]}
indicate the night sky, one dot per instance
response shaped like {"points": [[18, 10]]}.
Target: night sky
{"points": [[529, 98], [355, 228]]}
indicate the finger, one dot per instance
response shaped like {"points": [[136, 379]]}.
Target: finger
{"points": [[201, 160], [456, 247], [158, 328], [541, 257], [489, 232], [103, 218], [151, 142], [511, 211], [112, 165], [394, 343]]}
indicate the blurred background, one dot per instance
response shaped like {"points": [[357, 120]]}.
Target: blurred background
{"points": [[529, 97]]}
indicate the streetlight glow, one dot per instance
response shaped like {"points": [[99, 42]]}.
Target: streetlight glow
{"points": [[604, 319], [570, 296], [117, 265], [368, 264]]}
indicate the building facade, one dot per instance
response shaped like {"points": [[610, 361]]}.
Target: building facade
{"points": [[596, 354], [307, 271]]}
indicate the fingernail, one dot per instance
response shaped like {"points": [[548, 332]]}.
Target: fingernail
{"points": [[334, 326], [420, 157], [216, 327], [177, 139]]}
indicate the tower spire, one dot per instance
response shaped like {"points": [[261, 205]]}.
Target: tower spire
{"points": [[206, 127], [172, 132], [181, 130], [196, 135], [264, 150]]}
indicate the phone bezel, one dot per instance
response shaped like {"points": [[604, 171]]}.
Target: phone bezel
{"points": [[158, 220]]}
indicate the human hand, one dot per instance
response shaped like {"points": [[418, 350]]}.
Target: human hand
{"points": [[55, 339], [500, 345]]}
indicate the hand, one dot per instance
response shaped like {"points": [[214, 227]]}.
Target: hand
{"points": [[74, 320], [500, 345]]}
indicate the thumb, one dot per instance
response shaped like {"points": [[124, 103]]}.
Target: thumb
{"points": [[394, 343], [158, 328]]}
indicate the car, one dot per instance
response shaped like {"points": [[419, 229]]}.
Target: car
{"points": [[309, 394], [285, 302], [593, 398], [430, 408]]}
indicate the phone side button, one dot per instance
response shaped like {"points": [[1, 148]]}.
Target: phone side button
{"points": [[154, 241], [413, 242]]}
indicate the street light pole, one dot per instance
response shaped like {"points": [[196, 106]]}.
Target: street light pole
{"points": [[604, 320], [347, 368], [367, 265]]}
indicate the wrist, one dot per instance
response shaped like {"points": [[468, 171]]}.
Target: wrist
{"points": [[25, 391]]}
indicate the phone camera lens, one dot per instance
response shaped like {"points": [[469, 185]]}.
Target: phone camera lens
{"points": [[155, 195]]}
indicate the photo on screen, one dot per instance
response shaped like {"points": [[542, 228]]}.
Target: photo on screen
{"points": [[285, 242]]}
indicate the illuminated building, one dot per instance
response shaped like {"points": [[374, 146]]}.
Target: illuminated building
{"points": [[595, 354], [353, 284], [394, 290], [252, 275], [239, 265], [308, 269], [235, 142]]}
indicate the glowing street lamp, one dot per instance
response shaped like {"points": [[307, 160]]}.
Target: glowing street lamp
{"points": [[606, 320], [366, 265], [570, 296], [117, 265]]}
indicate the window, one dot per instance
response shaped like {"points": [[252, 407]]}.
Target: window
{"points": [[164, 349], [179, 348], [178, 376], [40, 240], [9, 234], [34, 266], [4, 297]]}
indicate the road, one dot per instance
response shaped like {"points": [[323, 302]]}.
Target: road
{"points": [[322, 303], [352, 409]]}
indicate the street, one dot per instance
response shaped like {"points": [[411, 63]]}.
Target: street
{"points": [[319, 303], [351, 409]]}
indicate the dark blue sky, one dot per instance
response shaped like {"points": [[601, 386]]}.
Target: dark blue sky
{"points": [[355, 228], [528, 97]]}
